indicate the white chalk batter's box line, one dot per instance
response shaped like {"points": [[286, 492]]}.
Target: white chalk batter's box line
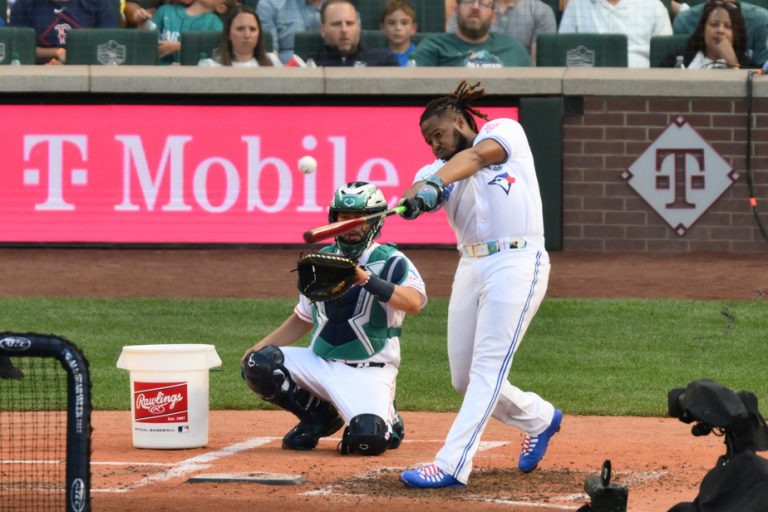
{"points": [[202, 462]]}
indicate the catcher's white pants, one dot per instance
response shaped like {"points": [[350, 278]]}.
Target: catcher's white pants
{"points": [[352, 391], [492, 303]]}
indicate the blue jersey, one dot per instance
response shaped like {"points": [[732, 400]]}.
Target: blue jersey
{"points": [[53, 20]]}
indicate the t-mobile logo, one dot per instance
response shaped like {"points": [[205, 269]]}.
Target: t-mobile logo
{"points": [[57, 175]]}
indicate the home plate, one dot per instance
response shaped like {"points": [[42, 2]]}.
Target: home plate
{"points": [[252, 478]]}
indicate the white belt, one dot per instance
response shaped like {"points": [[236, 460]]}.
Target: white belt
{"points": [[482, 249]]}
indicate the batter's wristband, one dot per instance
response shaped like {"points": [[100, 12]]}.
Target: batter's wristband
{"points": [[379, 288]]}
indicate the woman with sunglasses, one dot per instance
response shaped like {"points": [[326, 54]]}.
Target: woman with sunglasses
{"points": [[719, 41]]}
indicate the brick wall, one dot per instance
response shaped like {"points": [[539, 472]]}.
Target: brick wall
{"points": [[601, 212]]}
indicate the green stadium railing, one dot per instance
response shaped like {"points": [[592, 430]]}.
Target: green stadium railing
{"points": [[581, 50], [662, 45], [111, 46], [20, 40]]}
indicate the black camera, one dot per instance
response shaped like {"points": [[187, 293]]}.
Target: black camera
{"points": [[739, 480], [710, 406], [605, 496]]}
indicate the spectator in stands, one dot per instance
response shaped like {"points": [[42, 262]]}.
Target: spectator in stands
{"points": [[283, 18], [523, 19], [242, 42], [719, 41], [756, 25], [398, 23], [473, 44], [340, 27], [173, 19], [53, 19], [638, 19], [139, 13]]}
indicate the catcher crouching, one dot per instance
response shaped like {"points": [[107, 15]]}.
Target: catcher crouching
{"points": [[354, 295]]}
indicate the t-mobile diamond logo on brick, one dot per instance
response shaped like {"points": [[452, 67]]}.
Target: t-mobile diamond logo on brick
{"points": [[680, 176], [160, 402]]}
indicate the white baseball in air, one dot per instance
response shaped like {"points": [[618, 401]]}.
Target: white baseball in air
{"points": [[307, 164]]}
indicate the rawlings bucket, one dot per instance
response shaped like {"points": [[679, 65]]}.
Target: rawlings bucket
{"points": [[169, 393]]}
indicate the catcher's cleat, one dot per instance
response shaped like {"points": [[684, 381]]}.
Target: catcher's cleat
{"points": [[534, 447], [398, 433], [429, 477], [305, 436]]}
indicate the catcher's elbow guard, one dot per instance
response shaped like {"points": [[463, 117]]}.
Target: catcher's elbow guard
{"points": [[367, 434]]}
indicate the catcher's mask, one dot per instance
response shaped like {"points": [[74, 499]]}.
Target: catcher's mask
{"points": [[358, 197]]}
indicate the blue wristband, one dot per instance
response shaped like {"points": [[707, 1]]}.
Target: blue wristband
{"points": [[379, 288]]}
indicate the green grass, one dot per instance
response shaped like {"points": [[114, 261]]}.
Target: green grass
{"points": [[606, 357]]}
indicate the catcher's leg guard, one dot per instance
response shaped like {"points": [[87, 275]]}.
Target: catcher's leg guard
{"points": [[367, 434], [265, 375]]}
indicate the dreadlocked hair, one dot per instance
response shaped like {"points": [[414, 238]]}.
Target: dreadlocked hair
{"points": [[460, 102]]}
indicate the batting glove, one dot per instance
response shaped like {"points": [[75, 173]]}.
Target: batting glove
{"points": [[412, 208]]}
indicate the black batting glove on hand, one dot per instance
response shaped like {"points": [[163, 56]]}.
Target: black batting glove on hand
{"points": [[412, 208]]}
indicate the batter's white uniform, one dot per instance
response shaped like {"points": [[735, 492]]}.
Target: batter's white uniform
{"points": [[495, 296], [354, 390]]}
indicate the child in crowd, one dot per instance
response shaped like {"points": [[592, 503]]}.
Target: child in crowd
{"points": [[398, 22], [171, 19]]}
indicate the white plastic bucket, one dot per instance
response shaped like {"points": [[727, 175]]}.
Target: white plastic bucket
{"points": [[169, 393]]}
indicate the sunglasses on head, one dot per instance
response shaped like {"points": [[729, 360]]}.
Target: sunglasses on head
{"points": [[733, 6]]}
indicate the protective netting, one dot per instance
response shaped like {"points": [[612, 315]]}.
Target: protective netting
{"points": [[33, 436]]}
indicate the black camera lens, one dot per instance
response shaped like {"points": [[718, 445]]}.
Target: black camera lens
{"points": [[674, 402]]}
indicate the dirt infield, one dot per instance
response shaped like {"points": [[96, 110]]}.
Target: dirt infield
{"points": [[265, 273], [660, 461]]}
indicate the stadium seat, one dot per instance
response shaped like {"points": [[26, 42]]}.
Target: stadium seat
{"points": [[662, 45], [19, 40], [307, 44], [759, 3], [206, 41], [430, 14], [370, 11], [373, 39], [581, 50], [117, 46]]}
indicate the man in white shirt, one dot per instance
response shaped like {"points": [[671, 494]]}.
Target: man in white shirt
{"points": [[638, 19]]}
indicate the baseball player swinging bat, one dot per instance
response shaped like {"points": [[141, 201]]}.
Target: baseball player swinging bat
{"points": [[336, 228]]}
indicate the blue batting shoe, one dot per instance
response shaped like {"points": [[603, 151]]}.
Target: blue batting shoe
{"points": [[429, 477], [534, 447]]}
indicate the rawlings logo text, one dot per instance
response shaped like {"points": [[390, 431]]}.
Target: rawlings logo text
{"points": [[157, 404]]}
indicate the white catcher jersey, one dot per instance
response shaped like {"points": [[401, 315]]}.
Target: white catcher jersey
{"points": [[390, 354], [499, 201]]}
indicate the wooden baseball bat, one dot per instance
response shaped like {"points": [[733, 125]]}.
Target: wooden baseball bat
{"points": [[336, 228]]}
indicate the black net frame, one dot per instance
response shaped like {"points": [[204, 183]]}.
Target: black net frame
{"points": [[78, 407]]}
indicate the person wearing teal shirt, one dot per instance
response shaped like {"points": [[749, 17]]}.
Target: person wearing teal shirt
{"points": [[173, 19], [755, 17], [473, 44]]}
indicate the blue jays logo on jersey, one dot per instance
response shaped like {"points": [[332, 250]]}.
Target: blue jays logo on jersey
{"points": [[447, 191], [504, 180]]}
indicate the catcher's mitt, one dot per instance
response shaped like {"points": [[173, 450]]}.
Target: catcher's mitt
{"points": [[324, 277]]}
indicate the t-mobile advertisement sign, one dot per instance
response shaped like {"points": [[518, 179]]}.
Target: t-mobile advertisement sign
{"points": [[202, 174]]}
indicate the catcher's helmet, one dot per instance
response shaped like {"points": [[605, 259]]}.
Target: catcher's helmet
{"points": [[360, 197]]}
